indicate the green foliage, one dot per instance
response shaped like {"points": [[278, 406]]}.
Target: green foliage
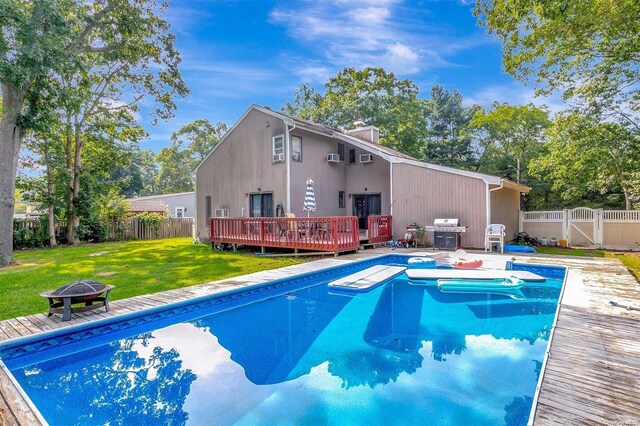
{"points": [[509, 137], [590, 163], [587, 49], [113, 207], [134, 267], [200, 137], [447, 143], [371, 95], [25, 238]]}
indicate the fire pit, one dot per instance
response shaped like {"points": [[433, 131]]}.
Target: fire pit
{"points": [[446, 233], [87, 292]]}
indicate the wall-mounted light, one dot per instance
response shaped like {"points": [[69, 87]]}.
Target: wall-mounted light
{"points": [[246, 194], [365, 190], [267, 124], [259, 189], [349, 195]]}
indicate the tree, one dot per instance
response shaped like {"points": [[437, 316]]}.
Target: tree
{"points": [[446, 142], [190, 145], [77, 48], [591, 162], [509, 137], [175, 170], [587, 49], [371, 95], [200, 136]]}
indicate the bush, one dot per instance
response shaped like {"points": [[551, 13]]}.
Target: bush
{"points": [[38, 237], [92, 230]]}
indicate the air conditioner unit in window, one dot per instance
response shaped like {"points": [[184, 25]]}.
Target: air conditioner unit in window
{"points": [[333, 158], [222, 213], [366, 158], [278, 157]]}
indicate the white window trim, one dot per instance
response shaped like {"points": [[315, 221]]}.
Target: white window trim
{"points": [[293, 138], [277, 151], [179, 208]]}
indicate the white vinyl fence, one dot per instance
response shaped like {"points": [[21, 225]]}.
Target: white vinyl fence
{"points": [[585, 227]]}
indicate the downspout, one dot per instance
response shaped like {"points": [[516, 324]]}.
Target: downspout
{"points": [[288, 122], [489, 191], [390, 188]]}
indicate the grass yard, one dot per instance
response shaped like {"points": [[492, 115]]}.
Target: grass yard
{"points": [[628, 259], [134, 267]]}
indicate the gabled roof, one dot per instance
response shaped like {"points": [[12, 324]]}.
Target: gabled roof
{"points": [[385, 152]]}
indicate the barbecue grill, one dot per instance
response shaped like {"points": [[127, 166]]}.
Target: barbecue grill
{"points": [[446, 233]]}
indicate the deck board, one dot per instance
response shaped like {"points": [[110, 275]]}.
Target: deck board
{"points": [[592, 374]]}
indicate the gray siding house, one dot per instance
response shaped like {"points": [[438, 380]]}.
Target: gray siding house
{"points": [[180, 204], [260, 169]]}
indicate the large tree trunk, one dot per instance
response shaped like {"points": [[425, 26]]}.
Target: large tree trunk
{"points": [[50, 203], [74, 218], [10, 141], [627, 197], [69, 169]]}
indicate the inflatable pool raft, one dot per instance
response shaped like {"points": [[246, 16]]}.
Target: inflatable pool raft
{"points": [[502, 286]]}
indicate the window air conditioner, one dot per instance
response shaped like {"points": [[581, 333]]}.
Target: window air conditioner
{"points": [[366, 158], [278, 157], [222, 213], [333, 158]]}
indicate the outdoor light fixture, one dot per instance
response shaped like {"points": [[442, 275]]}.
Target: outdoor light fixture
{"points": [[259, 189], [365, 190]]}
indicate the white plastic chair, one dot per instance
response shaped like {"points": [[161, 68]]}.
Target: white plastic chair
{"points": [[494, 235]]}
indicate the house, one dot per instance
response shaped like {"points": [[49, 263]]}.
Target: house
{"points": [[181, 204], [260, 169]]}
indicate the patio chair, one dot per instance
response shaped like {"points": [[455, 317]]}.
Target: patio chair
{"points": [[494, 235]]}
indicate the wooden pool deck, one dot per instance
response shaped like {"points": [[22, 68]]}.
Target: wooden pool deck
{"points": [[592, 375]]}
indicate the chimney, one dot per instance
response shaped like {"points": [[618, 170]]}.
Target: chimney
{"points": [[364, 132]]}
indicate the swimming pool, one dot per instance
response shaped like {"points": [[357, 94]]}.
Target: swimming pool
{"points": [[295, 351]]}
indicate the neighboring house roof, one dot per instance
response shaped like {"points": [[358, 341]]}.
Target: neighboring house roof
{"points": [[153, 197], [385, 152], [137, 205]]}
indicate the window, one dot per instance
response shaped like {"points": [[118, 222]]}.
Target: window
{"points": [[352, 156], [341, 151], [180, 211], [207, 208], [278, 148], [296, 148], [341, 203]]}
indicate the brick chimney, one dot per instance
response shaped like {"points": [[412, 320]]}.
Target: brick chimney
{"points": [[364, 132]]}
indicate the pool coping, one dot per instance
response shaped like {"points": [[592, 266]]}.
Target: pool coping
{"points": [[16, 400]]}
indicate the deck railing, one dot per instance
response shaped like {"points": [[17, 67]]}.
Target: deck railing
{"points": [[379, 229], [331, 234]]}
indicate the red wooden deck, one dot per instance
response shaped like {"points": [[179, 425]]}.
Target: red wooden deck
{"points": [[332, 234]]}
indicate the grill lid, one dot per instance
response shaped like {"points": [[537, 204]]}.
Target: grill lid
{"points": [[443, 223]]}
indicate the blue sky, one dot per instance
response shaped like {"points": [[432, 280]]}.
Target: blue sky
{"points": [[239, 52]]}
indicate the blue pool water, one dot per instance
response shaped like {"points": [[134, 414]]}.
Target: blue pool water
{"points": [[292, 352]]}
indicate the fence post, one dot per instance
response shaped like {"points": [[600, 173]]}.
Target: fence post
{"points": [[520, 221], [597, 227], [566, 226]]}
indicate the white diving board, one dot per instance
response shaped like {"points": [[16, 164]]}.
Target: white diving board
{"points": [[367, 278], [473, 274]]}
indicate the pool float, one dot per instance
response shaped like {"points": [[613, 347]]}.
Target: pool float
{"points": [[467, 264], [502, 286], [421, 263]]}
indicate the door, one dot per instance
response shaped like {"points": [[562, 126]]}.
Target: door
{"points": [[261, 205], [365, 205]]}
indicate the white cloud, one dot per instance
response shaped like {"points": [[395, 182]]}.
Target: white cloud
{"points": [[362, 33]]}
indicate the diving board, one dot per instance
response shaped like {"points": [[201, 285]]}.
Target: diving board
{"points": [[439, 274], [367, 278]]}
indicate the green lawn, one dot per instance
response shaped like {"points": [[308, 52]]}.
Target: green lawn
{"points": [[630, 260], [135, 267]]}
